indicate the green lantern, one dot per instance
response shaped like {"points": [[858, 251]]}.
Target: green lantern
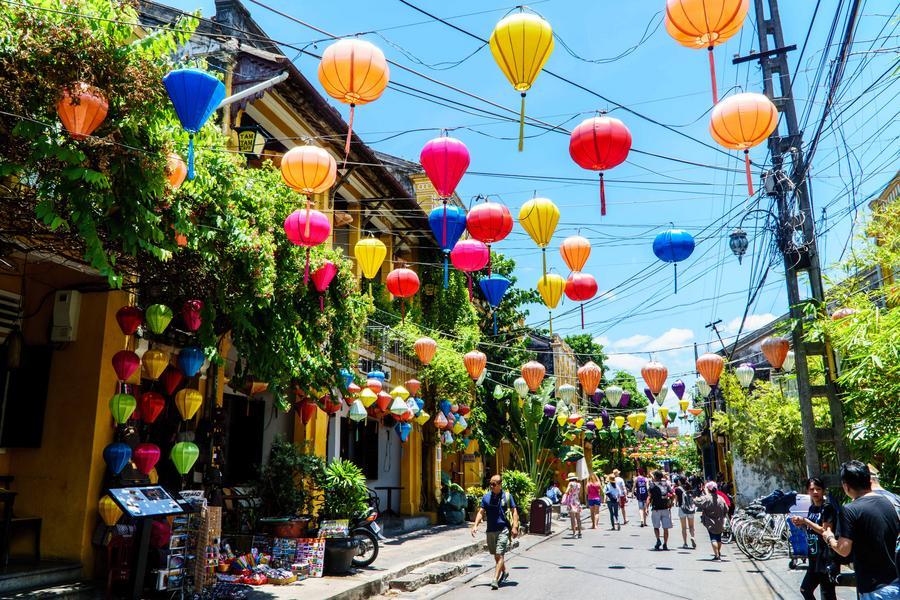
{"points": [[498, 392], [357, 411], [122, 406], [158, 317], [184, 455]]}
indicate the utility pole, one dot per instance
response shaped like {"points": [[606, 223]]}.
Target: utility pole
{"points": [[715, 327], [797, 238]]}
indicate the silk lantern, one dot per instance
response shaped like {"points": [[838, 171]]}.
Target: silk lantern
{"points": [[357, 411], [191, 314], [589, 376], [705, 24], [184, 455], [145, 457], [329, 405], [575, 251], [620, 421], [654, 374], [355, 72], [171, 377], [664, 415], [190, 360], [447, 223], [551, 287], [475, 362], [683, 404], [625, 399], [562, 416], [651, 398], [440, 420], [122, 406], [176, 170], [125, 363], [678, 387], [109, 511], [613, 394], [469, 256], [154, 363], [81, 110], [673, 246], [663, 394], [352, 391], [703, 388], [567, 393], [789, 361], [308, 170], [521, 43], [307, 228], [775, 350], [710, 367], [116, 456], [533, 374], [581, 287], [413, 386], [741, 122], [151, 405], [370, 253], [745, 374], [538, 217], [423, 417], [129, 319], [494, 288], [306, 410], [367, 397], [188, 402], [400, 392], [403, 430], [383, 401], [158, 317], [425, 348], [490, 223], [195, 95], [322, 278], [599, 144], [521, 387], [398, 407]]}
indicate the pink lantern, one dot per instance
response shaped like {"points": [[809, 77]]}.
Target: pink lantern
{"points": [[190, 314], [413, 386], [322, 279], [469, 256], [445, 160], [307, 228], [125, 363]]}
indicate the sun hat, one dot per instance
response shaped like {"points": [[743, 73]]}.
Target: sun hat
{"points": [[611, 478], [711, 486], [571, 477], [615, 472]]}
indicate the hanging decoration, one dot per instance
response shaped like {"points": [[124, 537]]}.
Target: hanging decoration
{"points": [[413, 386], [423, 417], [117, 456], [329, 405], [440, 420], [789, 361], [176, 170], [705, 24], [306, 410], [145, 457], [663, 394], [191, 314], [154, 363], [125, 363], [651, 398], [581, 287], [613, 394], [567, 393], [745, 374], [551, 287], [737, 241], [620, 421], [703, 388], [664, 415], [533, 374], [195, 95], [494, 288], [158, 317], [322, 278], [171, 377], [188, 402], [521, 387], [355, 72], [673, 246], [469, 256], [357, 411], [383, 401], [775, 350], [370, 253], [447, 223], [683, 404], [190, 360], [589, 375], [403, 429], [425, 348], [490, 223], [599, 144], [308, 170], [82, 110], [538, 217], [398, 407], [122, 406], [625, 399], [151, 405], [741, 122], [367, 397], [402, 283], [654, 374], [710, 367], [575, 251], [307, 228], [184, 455], [549, 411], [521, 43], [129, 319], [475, 362], [678, 387], [109, 511]]}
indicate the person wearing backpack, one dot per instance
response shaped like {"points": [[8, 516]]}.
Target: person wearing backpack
{"points": [[641, 493], [684, 499], [661, 496], [498, 509], [713, 512]]}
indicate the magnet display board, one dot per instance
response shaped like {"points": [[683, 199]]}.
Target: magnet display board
{"points": [[145, 501]]}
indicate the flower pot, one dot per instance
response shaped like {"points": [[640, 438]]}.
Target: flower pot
{"points": [[339, 553], [286, 527]]}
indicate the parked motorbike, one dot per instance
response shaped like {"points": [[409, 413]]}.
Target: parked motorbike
{"points": [[368, 532]]}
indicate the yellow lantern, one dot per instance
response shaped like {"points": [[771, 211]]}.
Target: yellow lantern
{"points": [[562, 417], [633, 421], [188, 402], [400, 391], [521, 44], [370, 253], [539, 217], [683, 404], [551, 287], [154, 363], [109, 511], [367, 397], [153, 476], [620, 421], [422, 417], [664, 414]]}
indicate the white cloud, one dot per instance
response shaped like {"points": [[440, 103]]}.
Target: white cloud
{"points": [[634, 341], [625, 362], [752, 323], [671, 339], [602, 340], [640, 346]]}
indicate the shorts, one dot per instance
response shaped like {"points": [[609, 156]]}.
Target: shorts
{"points": [[642, 502], [661, 518], [683, 514], [498, 542], [622, 501], [595, 502], [715, 537]]}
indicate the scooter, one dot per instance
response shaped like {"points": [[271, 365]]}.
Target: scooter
{"points": [[368, 532]]}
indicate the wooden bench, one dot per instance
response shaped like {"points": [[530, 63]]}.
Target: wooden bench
{"points": [[11, 523]]}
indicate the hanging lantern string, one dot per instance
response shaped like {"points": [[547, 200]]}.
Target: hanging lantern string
{"points": [[602, 196], [349, 134], [544, 259], [190, 165], [522, 124], [582, 315], [712, 76], [749, 174]]}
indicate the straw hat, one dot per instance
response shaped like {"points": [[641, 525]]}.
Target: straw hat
{"points": [[611, 478], [571, 477]]}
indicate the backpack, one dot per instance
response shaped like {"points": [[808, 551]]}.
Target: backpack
{"points": [[687, 502], [505, 501]]}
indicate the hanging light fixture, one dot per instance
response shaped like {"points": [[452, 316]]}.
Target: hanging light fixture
{"points": [[737, 241]]}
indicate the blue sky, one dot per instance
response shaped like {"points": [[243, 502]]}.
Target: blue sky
{"points": [[661, 79]]}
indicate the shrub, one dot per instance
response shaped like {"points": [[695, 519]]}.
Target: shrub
{"points": [[345, 490], [522, 489], [474, 494]]}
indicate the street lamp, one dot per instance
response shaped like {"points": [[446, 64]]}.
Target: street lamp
{"points": [[737, 241]]}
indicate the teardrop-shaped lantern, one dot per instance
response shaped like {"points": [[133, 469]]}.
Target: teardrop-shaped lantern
{"points": [[158, 317], [551, 287], [581, 287], [370, 253], [82, 110], [654, 374], [613, 394], [741, 122], [475, 361], [533, 374], [567, 393], [710, 367], [188, 402], [678, 387], [673, 246], [129, 319], [589, 376], [620, 421], [195, 95], [538, 217], [575, 251], [125, 363], [154, 363], [184, 455], [109, 511], [116, 456], [190, 360], [151, 405], [191, 314], [745, 374], [775, 350], [494, 288], [703, 387], [789, 361], [425, 348], [122, 406], [521, 387], [145, 457], [322, 278], [413, 386], [599, 144]]}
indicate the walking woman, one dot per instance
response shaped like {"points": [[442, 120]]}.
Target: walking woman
{"points": [[572, 499], [820, 518], [684, 498], [612, 501], [594, 498], [713, 511]]}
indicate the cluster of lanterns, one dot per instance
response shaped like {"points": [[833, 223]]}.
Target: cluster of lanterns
{"points": [[400, 406]]}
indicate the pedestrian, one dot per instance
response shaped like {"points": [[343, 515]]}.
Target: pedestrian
{"points": [[821, 516], [498, 508], [877, 489], [572, 499], [641, 492], [661, 496], [623, 496], [684, 499], [713, 512], [554, 494], [594, 499], [869, 528], [612, 501]]}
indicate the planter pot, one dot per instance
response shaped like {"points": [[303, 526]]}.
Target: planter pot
{"points": [[454, 517], [287, 528], [339, 553]]}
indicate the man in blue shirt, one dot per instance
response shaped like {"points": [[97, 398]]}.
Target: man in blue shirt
{"points": [[498, 509]]}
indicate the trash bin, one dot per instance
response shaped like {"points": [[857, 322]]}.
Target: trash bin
{"points": [[541, 516]]}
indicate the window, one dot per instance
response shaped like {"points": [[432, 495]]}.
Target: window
{"points": [[359, 444]]}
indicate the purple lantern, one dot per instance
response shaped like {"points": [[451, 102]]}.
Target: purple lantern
{"points": [[626, 398], [590, 426], [604, 416], [678, 387], [549, 410], [649, 395]]}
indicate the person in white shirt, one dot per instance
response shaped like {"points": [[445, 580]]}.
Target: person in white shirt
{"points": [[623, 496]]}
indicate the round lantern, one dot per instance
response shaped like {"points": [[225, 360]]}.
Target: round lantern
{"points": [[444, 160], [355, 72], [710, 367], [575, 251], [521, 43], [567, 393], [475, 362], [744, 374], [158, 317], [195, 95], [402, 283], [309, 170], [191, 314], [188, 402], [599, 144], [703, 388], [469, 256], [370, 253], [551, 287], [654, 374], [176, 170], [151, 405], [533, 374], [184, 455], [789, 361], [122, 406], [116, 456], [589, 376], [538, 217], [129, 319], [705, 24], [307, 228], [741, 122], [81, 110], [737, 241], [678, 387], [447, 223], [490, 223], [125, 363], [673, 246], [581, 287], [145, 457], [613, 394], [425, 348], [109, 511], [190, 360], [154, 363], [521, 387], [171, 376], [322, 278], [775, 350]]}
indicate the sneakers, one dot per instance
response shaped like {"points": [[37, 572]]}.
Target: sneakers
{"points": [[503, 577], [666, 547], [495, 585], [658, 545], [693, 544]]}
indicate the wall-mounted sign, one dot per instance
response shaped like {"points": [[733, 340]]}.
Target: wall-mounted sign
{"points": [[251, 140]]}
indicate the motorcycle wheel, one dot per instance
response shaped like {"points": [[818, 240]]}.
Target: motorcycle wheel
{"points": [[367, 551]]}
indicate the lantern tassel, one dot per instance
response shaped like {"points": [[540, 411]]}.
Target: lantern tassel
{"points": [[446, 271], [551, 322], [602, 196], [190, 165], [522, 124], [676, 276], [582, 315], [544, 260], [306, 269], [749, 174], [469, 278], [444, 227], [306, 227], [712, 76], [349, 134], [494, 314], [489, 259]]}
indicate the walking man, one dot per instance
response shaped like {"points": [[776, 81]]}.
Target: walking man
{"points": [[623, 496], [661, 502], [498, 509], [641, 492]]}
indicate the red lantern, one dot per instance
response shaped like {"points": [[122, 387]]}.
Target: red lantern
{"points": [[464, 409], [445, 160], [599, 144], [171, 378], [145, 457], [413, 386], [581, 287], [151, 405], [407, 416], [654, 374], [490, 223], [402, 283], [305, 409], [322, 279], [307, 228], [330, 406], [190, 314], [125, 363], [383, 401], [469, 256], [129, 319], [374, 385], [352, 391]]}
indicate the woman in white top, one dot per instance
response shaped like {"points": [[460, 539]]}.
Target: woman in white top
{"points": [[623, 495]]}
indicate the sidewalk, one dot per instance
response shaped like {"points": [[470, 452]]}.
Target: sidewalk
{"points": [[786, 582]]}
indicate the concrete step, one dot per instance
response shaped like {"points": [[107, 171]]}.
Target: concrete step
{"points": [[436, 572], [46, 574], [396, 526], [73, 591]]}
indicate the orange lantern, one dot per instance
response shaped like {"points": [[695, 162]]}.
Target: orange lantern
{"points": [[354, 72], [425, 349], [475, 362], [533, 374], [654, 374], [705, 23], [741, 122], [308, 170], [589, 375], [710, 367], [82, 110], [176, 170], [775, 350], [575, 251]]}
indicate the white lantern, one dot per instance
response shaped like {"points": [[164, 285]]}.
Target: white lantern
{"points": [[661, 396], [789, 361], [745, 375], [567, 393], [613, 394], [703, 387], [521, 387], [398, 407]]}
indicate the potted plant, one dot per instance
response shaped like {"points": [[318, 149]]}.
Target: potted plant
{"points": [[453, 507], [474, 494], [345, 497], [287, 489]]}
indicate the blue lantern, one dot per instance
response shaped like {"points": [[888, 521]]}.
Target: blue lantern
{"points": [[673, 246], [190, 360], [116, 456], [347, 377], [494, 287], [445, 407], [195, 95], [379, 375], [447, 222], [403, 428], [420, 403]]}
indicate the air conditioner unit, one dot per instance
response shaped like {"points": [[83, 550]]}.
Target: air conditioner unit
{"points": [[66, 312]]}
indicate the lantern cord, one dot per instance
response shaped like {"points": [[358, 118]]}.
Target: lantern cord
{"points": [[469, 278], [602, 196], [444, 226], [306, 268], [190, 165], [544, 259], [446, 271], [349, 134], [494, 315], [749, 174], [712, 75], [306, 227], [522, 124], [550, 312], [489, 259], [582, 315]]}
